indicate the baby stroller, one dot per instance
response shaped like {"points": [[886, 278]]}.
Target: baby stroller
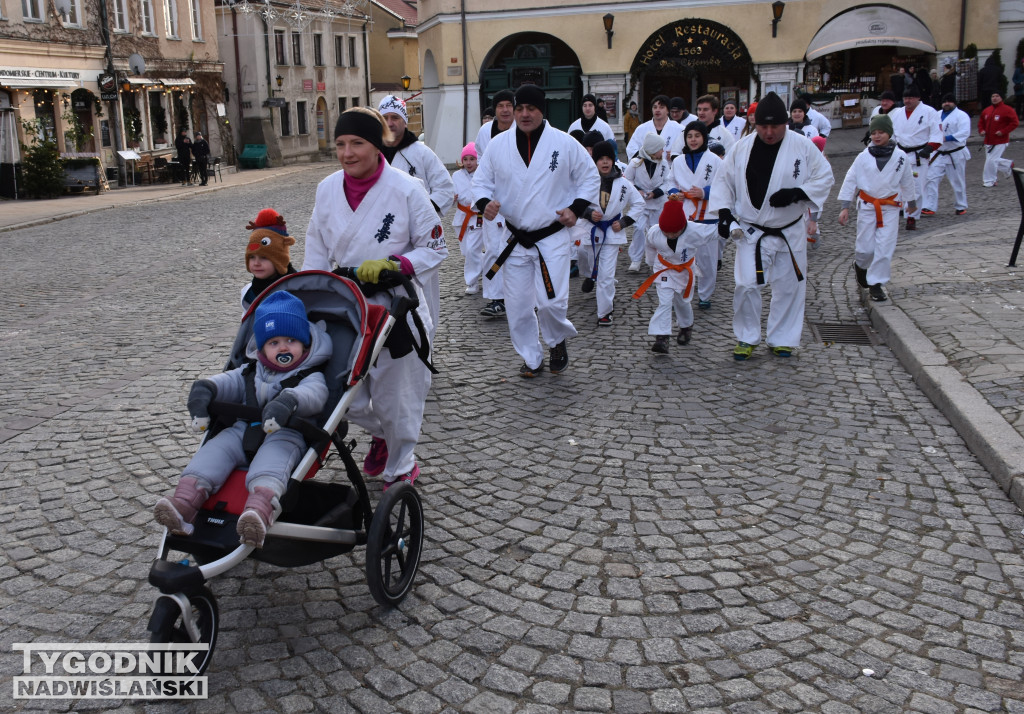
{"points": [[319, 520]]}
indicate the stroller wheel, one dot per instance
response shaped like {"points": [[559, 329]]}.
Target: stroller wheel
{"points": [[394, 544], [167, 624]]}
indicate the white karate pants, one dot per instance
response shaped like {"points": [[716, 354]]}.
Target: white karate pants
{"points": [[875, 247], [995, 164], [952, 166], [786, 310], [670, 300]]}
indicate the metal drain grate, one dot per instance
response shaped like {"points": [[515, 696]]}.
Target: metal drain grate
{"points": [[844, 333]]}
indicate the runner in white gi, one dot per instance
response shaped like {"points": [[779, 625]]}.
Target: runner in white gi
{"points": [[799, 121], [877, 178], [671, 243], [707, 112], [659, 124], [731, 120], [693, 172], [415, 158], [468, 221], [950, 159], [541, 180], [374, 216], [605, 225], [590, 121], [761, 195], [916, 131], [651, 173], [495, 233], [819, 120]]}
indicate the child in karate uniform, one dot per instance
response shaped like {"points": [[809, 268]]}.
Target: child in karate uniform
{"points": [[467, 221]]}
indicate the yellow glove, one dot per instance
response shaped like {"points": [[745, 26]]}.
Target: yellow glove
{"points": [[369, 271]]}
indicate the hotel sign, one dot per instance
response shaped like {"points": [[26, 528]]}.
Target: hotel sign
{"points": [[693, 43]]}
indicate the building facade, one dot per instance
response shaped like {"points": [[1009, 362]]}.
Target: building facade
{"points": [[103, 76], [837, 51]]}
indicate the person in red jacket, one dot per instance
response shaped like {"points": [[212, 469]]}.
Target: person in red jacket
{"points": [[996, 123]]}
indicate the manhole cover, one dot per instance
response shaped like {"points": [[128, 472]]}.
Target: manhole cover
{"points": [[844, 333]]}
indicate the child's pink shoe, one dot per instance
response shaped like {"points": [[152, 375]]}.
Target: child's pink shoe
{"points": [[409, 478], [261, 508], [176, 513], [376, 458]]}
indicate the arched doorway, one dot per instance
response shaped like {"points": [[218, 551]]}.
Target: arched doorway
{"points": [[82, 101], [689, 58], [535, 58], [321, 124]]}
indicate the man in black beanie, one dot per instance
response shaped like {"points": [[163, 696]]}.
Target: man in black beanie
{"points": [[761, 195], [590, 121], [915, 128], [541, 180]]}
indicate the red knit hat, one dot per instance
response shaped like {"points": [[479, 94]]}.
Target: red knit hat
{"points": [[672, 219], [269, 239]]}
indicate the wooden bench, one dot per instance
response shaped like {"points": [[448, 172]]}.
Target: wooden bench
{"points": [[253, 156]]}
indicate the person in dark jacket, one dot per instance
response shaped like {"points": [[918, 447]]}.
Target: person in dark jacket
{"points": [[947, 82], [988, 81], [201, 152], [184, 146], [923, 82]]}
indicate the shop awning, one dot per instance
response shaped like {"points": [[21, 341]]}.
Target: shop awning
{"points": [[183, 82], [140, 81], [37, 82], [871, 26]]}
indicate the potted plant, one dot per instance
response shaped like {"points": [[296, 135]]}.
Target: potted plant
{"points": [[158, 120], [41, 165], [132, 126]]}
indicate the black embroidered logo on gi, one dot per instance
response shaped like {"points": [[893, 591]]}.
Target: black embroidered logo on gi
{"points": [[707, 172], [796, 168], [554, 162], [899, 164], [919, 120], [385, 230], [622, 194]]}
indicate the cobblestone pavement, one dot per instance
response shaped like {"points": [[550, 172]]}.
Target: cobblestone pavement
{"points": [[639, 534]]}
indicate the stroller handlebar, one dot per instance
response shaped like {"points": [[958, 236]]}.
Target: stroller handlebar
{"points": [[228, 411], [388, 279]]}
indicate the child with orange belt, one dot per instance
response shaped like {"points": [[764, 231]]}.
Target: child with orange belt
{"points": [[467, 221]]}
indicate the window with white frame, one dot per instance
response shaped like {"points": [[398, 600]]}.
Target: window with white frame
{"points": [[72, 19], [120, 15], [148, 25], [171, 18], [300, 114], [32, 9], [339, 50], [296, 48], [197, 22]]}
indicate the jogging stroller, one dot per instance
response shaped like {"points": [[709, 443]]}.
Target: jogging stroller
{"points": [[319, 520]]}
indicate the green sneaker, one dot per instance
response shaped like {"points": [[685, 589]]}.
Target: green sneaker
{"points": [[742, 351], [782, 351]]}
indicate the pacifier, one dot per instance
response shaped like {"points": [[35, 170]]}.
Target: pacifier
{"points": [[284, 358]]}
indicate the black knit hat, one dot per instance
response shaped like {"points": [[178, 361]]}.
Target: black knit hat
{"points": [[589, 98], [604, 148], [677, 103], [592, 138], [359, 124], [798, 104], [912, 91], [948, 97], [771, 110], [530, 94], [887, 95], [504, 95]]}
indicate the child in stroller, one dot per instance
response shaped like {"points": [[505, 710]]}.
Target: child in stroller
{"points": [[283, 341]]}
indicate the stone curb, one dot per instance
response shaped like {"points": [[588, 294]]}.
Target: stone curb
{"points": [[995, 443]]}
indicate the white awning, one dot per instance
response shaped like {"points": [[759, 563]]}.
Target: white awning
{"points": [[184, 82], [37, 82], [871, 26], [141, 81]]}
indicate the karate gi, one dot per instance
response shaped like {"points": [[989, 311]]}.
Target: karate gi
{"points": [[716, 133], [599, 244], [560, 172], [674, 287], [394, 218], [421, 163], [669, 132], [636, 173], [469, 228], [798, 164], [950, 160], [599, 125], [495, 235], [876, 243], [820, 121], [912, 134], [734, 127], [706, 242]]}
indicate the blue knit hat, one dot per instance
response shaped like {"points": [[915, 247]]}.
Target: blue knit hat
{"points": [[280, 314]]}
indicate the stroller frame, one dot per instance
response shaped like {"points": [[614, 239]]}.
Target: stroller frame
{"points": [[342, 516]]}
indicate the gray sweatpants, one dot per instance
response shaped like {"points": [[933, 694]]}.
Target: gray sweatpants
{"points": [[270, 468]]}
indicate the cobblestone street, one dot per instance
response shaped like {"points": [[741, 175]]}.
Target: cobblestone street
{"points": [[639, 534]]}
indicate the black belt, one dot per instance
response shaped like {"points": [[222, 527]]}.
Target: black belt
{"points": [[914, 149], [528, 239], [777, 232], [943, 153]]}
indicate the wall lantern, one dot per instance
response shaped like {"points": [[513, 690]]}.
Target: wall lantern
{"points": [[406, 81], [280, 80], [777, 7], [609, 20]]}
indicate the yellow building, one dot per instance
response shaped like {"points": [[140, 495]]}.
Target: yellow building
{"points": [[837, 51]]}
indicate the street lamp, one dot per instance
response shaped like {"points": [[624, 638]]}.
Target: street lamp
{"points": [[406, 81], [608, 20], [777, 7], [280, 81]]}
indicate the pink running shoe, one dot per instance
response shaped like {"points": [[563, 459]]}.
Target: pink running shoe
{"points": [[409, 478], [376, 458]]}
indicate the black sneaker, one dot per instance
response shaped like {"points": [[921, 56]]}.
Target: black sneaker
{"points": [[862, 275], [588, 285], [684, 335], [558, 358], [876, 293], [660, 345], [528, 372], [496, 308]]}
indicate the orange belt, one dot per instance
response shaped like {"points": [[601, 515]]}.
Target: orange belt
{"points": [[470, 213], [700, 206], [878, 203], [686, 267]]}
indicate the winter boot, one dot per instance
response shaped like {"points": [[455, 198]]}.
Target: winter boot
{"points": [[177, 512], [261, 508]]}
